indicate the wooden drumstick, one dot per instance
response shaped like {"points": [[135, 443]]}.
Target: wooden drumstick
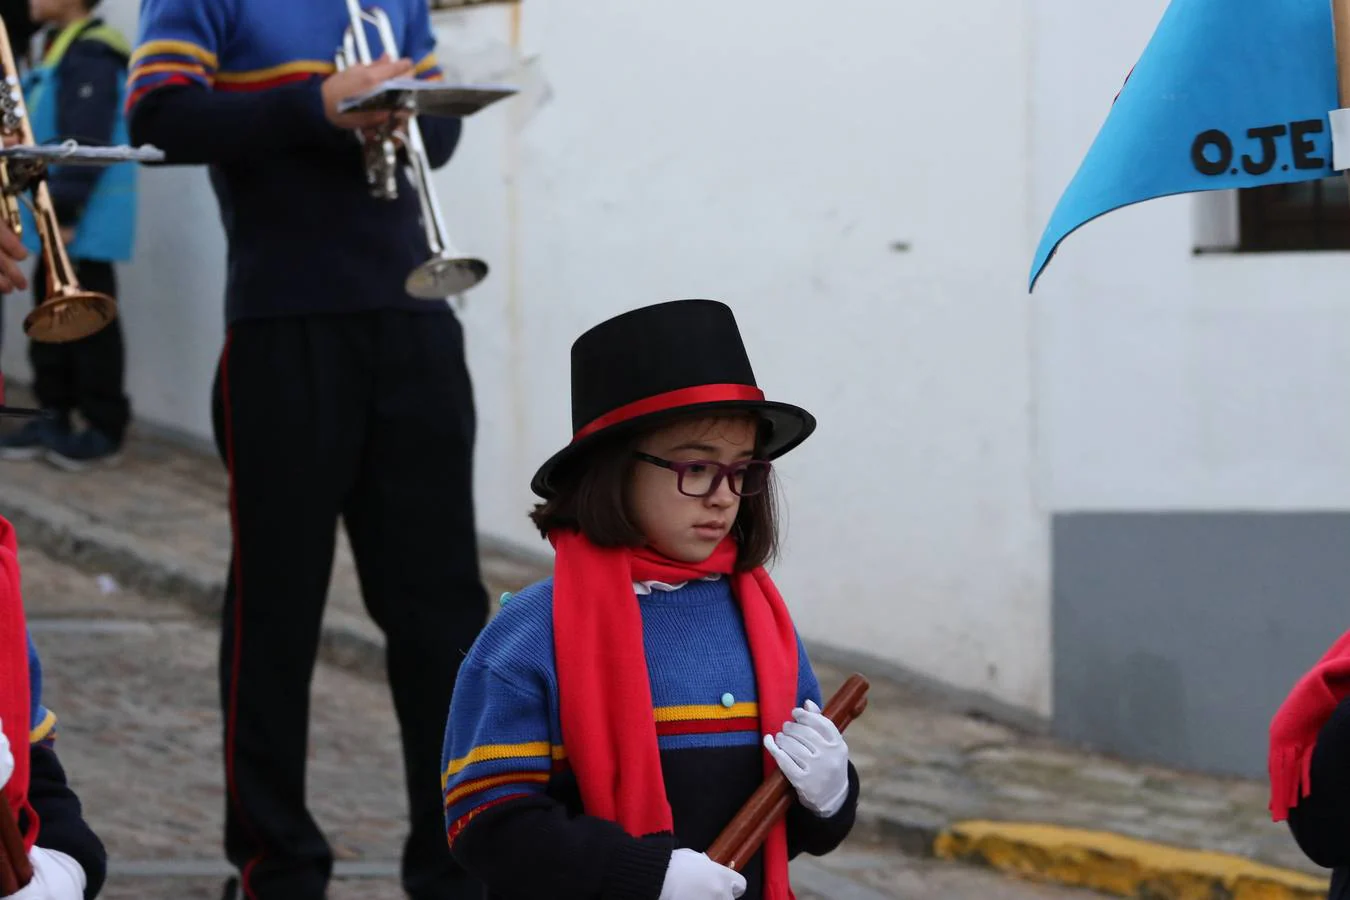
{"points": [[741, 839]]}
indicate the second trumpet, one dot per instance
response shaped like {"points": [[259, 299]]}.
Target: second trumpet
{"points": [[447, 272]]}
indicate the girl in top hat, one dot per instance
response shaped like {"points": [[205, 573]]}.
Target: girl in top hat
{"points": [[1310, 764], [611, 720]]}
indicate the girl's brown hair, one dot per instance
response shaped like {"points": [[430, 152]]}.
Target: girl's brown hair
{"points": [[591, 497]]}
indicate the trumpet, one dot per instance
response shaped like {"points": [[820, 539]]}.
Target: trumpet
{"points": [[69, 312], [448, 272]]}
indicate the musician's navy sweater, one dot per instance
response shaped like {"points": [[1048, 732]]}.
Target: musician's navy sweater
{"points": [[235, 84], [513, 812]]}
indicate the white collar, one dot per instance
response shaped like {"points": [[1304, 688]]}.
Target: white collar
{"points": [[643, 588]]}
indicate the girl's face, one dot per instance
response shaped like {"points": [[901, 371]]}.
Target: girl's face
{"points": [[686, 528]]}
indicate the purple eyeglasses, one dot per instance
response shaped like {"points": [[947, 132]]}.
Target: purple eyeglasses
{"points": [[702, 477]]}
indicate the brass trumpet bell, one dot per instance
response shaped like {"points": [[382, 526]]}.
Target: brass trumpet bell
{"points": [[69, 314], [445, 276]]}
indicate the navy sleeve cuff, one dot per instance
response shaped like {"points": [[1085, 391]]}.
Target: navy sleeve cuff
{"points": [[637, 869], [809, 833], [62, 825]]}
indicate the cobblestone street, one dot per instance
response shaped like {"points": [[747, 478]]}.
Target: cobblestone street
{"points": [[134, 684], [133, 675]]}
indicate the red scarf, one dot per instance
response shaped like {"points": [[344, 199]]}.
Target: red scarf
{"points": [[15, 715], [605, 693], [1294, 730]]}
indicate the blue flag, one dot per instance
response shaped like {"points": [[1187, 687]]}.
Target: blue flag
{"points": [[1228, 94]]}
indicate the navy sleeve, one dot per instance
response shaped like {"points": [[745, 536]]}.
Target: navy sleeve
{"points": [[173, 105], [91, 75], [62, 825], [504, 828], [440, 134], [809, 833], [194, 126], [1321, 821], [61, 822]]}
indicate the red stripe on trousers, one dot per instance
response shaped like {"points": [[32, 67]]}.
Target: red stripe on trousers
{"points": [[228, 412]]}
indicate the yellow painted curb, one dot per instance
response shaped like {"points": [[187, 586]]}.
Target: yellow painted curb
{"points": [[1120, 865]]}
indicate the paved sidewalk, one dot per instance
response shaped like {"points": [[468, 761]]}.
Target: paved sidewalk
{"points": [[937, 782]]}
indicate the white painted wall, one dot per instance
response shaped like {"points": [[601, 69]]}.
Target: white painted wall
{"points": [[769, 154], [1168, 381]]}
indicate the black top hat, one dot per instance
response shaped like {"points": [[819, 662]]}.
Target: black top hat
{"points": [[643, 367], [17, 411]]}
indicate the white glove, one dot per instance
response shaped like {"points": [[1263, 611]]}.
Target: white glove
{"points": [[812, 754], [56, 876], [694, 876], [6, 761]]}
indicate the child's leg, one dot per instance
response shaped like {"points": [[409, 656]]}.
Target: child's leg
{"points": [[289, 422], [53, 365], [411, 523], [98, 362]]}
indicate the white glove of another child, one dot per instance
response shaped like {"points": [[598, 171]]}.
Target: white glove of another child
{"points": [[6, 760], [694, 876], [812, 754], [56, 876]]}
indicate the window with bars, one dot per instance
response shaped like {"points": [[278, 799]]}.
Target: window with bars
{"points": [[1308, 215]]}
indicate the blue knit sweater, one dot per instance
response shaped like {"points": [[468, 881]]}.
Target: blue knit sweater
{"points": [[513, 811]]}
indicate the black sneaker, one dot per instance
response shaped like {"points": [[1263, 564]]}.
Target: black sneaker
{"points": [[83, 450], [33, 439]]}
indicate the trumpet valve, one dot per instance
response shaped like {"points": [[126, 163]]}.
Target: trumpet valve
{"points": [[24, 174], [11, 104], [382, 167]]}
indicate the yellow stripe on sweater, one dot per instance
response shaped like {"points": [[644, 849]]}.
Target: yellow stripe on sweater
{"points": [[175, 67], [300, 66], [483, 784], [687, 713], [43, 729], [501, 751], [177, 48]]}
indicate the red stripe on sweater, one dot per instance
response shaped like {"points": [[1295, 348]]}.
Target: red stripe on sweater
{"points": [[140, 92], [707, 726], [459, 824], [239, 87]]}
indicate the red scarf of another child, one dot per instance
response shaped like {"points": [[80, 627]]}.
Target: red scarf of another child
{"points": [[14, 687], [605, 698], [1294, 730]]}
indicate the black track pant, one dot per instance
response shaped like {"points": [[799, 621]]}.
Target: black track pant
{"points": [[88, 374], [367, 416]]}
